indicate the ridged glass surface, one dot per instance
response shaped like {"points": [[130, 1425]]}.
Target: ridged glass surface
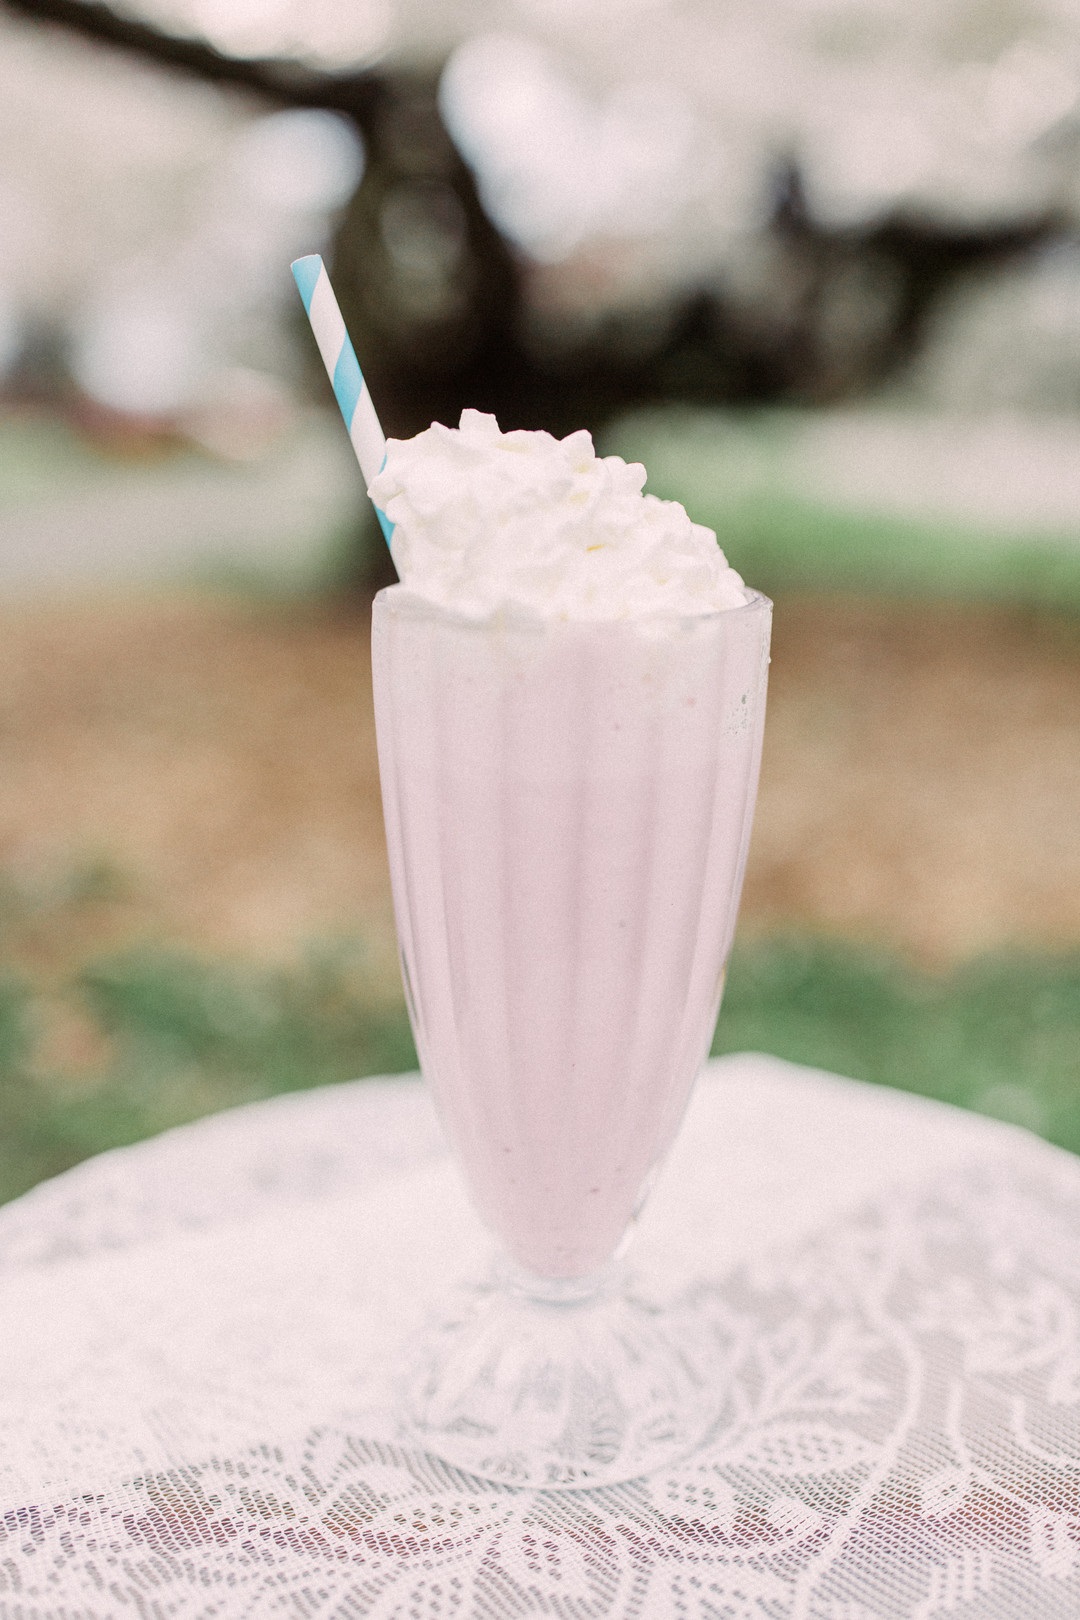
{"points": [[567, 809]]}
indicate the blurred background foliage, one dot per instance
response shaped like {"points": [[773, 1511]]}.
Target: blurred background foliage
{"points": [[817, 265]]}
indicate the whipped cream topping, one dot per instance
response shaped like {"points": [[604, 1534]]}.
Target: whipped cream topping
{"points": [[486, 520]]}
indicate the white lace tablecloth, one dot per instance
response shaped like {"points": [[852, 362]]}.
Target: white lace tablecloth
{"points": [[198, 1336]]}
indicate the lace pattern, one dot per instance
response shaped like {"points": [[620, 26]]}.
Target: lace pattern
{"points": [[195, 1418]]}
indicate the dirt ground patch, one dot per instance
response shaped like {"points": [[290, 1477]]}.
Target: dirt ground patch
{"points": [[921, 777], [202, 771]]}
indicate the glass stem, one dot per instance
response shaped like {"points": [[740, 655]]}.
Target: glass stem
{"points": [[558, 1290]]}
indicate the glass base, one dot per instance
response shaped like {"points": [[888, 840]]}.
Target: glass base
{"points": [[562, 1386]]}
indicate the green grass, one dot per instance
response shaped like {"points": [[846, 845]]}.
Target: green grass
{"points": [[1000, 1035], [732, 475], [782, 543], [185, 1036], [39, 455]]}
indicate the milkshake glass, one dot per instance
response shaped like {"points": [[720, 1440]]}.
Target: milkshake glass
{"points": [[568, 807]]}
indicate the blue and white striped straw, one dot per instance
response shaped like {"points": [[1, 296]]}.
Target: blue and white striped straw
{"points": [[343, 369]]}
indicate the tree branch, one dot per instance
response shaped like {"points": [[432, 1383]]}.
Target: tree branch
{"points": [[358, 93]]}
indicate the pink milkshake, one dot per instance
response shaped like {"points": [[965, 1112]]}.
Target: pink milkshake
{"points": [[568, 807], [569, 696]]}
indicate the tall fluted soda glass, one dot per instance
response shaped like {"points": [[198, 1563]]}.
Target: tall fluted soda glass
{"points": [[568, 807]]}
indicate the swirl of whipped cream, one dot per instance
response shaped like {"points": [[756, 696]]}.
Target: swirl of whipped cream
{"points": [[487, 520]]}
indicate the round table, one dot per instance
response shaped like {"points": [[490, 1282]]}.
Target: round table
{"points": [[200, 1334]]}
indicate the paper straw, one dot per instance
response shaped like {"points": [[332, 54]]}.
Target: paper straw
{"points": [[343, 369]]}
